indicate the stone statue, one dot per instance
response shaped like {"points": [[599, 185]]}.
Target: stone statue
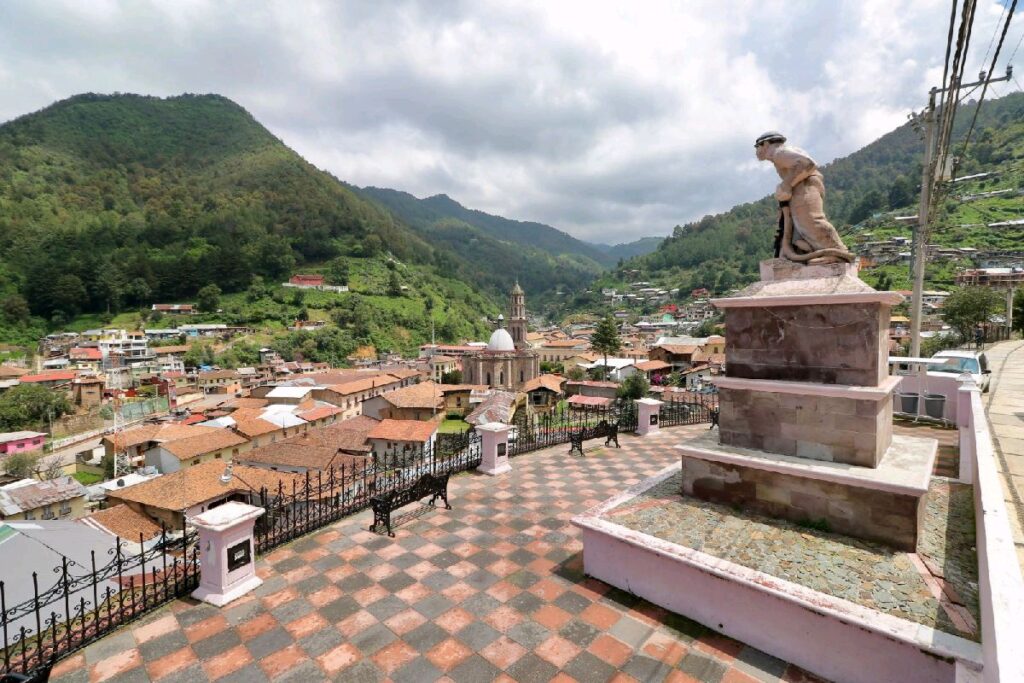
{"points": [[806, 235]]}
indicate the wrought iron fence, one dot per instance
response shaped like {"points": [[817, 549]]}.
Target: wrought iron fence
{"points": [[534, 432], [47, 622], [695, 409], [325, 497]]}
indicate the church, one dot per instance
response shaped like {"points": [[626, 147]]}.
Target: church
{"points": [[508, 362]]}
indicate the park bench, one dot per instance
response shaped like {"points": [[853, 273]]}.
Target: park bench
{"points": [[714, 418], [433, 485], [609, 430]]}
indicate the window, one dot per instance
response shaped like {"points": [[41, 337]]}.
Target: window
{"points": [[65, 508], [47, 512], [216, 456], [520, 375]]}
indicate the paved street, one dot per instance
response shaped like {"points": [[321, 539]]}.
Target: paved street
{"points": [[1005, 407]]}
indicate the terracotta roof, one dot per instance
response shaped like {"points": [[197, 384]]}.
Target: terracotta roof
{"points": [[86, 353], [124, 522], [59, 376], [193, 419], [31, 494], [254, 427], [589, 401], [347, 435], [403, 430], [403, 373], [422, 395], [499, 406], [357, 385], [649, 365], [451, 388], [247, 402], [9, 371], [194, 485], [442, 359], [549, 382], [678, 348], [565, 343], [164, 350], [183, 449], [160, 433], [319, 413], [594, 383]]}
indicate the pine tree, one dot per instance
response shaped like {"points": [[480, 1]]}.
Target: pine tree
{"points": [[606, 340]]}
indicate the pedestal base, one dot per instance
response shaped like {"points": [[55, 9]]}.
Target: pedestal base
{"points": [[881, 503], [217, 599], [495, 470]]}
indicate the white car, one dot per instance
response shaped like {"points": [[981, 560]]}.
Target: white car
{"points": [[961, 361]]}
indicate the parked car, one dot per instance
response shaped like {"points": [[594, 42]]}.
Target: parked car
{"points": [[961, 361]]}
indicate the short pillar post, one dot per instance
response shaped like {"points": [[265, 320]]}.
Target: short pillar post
{"points": [[494, 448], [965, 425], [226, 553], [647, 410]]}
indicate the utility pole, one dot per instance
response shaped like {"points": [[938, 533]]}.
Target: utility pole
{"points": [[929, 175]]}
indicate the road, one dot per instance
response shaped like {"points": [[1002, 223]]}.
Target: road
{"points": [[1004, 405]]}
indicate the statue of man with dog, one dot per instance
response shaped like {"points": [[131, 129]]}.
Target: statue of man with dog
{"points": [[805, 234]]}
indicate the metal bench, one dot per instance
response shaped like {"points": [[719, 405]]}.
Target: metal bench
{"points": [[609, 430], [435, 486]]}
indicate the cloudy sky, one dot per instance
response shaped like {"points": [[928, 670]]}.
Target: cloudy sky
{"points": [[611, 121]]}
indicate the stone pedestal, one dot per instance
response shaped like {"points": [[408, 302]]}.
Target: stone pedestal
{"points": [[805, 413], [494, 448], [647, 410], [226, 553]]}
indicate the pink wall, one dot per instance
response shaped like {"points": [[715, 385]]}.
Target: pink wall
{"points": [[23, 445]]}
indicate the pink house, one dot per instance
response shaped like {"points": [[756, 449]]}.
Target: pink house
{"points": [[21, 442]]}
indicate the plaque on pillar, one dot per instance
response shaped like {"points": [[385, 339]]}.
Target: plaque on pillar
{"points": [[647, 410], [227, 570]]}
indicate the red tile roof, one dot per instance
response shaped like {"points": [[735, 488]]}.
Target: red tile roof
{"points": [[589, 401], [86, 353], [403, 430], [58, 376]]}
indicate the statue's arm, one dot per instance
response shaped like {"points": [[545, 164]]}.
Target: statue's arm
{"points": [[796, 168]]}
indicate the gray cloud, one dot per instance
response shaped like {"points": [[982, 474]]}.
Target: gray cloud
{"points": [[607, 121]]}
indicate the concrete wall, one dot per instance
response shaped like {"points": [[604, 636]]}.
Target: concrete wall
{"points": [[864, 513], [846, 430], [811, 343]]}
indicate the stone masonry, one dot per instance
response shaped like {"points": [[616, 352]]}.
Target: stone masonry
{"points": [[856, 432], [875, 515]]}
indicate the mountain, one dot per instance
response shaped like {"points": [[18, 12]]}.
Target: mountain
{"points": [[113, 202], [625, 250], [865, 190], [497, 251]]}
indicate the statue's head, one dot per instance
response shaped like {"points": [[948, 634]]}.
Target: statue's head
{"points": [[766, 141]]}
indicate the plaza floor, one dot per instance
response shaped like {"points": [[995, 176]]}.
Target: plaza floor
{"points": [[490, 590]]}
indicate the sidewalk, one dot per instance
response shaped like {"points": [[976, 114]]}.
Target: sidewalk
{"points": [[1004, 405]]}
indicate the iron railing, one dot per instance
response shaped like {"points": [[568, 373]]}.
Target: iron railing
{"points": [[325, 497], [87, 602], [694, 409], [535, 432]]}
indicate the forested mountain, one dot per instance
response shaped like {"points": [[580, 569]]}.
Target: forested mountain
{"points": [[722, 251], [624, 250], [497, 250], [115, 202]]}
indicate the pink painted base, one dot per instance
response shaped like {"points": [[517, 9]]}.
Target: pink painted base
{"points": [[823, 634]]}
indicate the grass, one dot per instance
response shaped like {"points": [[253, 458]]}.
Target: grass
{"points": [[87, 478], [450, 426]]}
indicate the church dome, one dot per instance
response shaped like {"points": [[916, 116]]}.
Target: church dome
{"points": [[501, 340]]}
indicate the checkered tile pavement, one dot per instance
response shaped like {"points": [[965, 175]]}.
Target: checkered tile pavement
{"points": [[491, 590]]}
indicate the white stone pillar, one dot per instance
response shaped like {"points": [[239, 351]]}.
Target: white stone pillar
{"points": [[227, 554], [647, 415], [965, 425], [494, 448]]}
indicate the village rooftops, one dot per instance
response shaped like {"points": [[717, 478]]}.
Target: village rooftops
{"points": [[58, 376], [319, 413], [551, 383], [192, 486], [348, 435], [423, 395], [29, 494], [403, 430], [566, 344], [9, 372], [123, 522], [652, 365], [85, 353], [158, 433], [170, 350], [363, 384], [589, 401], [213, 440], [592, 383], [217, 374]]}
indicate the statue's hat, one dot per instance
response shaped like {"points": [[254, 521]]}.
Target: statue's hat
{"points": [[770, 136]]}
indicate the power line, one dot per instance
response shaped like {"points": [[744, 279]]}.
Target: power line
{"points": [[995, 30], [984, 87]]}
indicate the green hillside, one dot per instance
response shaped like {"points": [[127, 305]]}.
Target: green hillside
{"points": [[111, 203], [865, 191], [496, 251], [625, 250]]}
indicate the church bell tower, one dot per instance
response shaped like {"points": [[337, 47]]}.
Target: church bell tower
{"points": [[517, 316]]}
